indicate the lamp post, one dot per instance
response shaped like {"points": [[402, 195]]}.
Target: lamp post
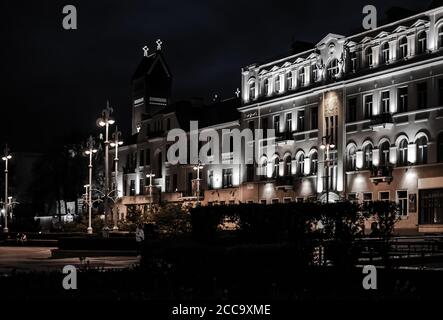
{"points": [[327, 145], [115, 144], [197, 168], [90, 151], [6, 157], [105, 121], [150, 176]]}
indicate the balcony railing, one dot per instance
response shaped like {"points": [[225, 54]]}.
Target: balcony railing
{"points": [[381, 174], [285, 137], [285, 182], [381, 121]]}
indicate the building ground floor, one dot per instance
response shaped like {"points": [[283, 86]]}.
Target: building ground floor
{"points": [[418, 190]]}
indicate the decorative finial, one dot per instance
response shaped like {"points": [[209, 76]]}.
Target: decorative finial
{"points": [[145, 51], [159, 44], [237, 92]]}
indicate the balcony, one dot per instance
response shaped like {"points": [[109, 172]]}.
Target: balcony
{"points": [[381, 174], [285, 137], [286, 182], [381, 121]]}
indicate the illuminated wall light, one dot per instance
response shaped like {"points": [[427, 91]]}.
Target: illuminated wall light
{"points": [[281, 168], [307, 166], [412, 153], [270, 169], [294, 166], [359, 159], [376, 157]]}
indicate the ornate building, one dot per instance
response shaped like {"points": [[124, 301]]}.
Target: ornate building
{"points": [[357, 117]]}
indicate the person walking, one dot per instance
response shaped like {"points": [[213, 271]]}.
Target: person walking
{"points": [[139, 238]]}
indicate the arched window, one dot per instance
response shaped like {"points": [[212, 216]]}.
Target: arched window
{"points": [[314, 70], [368, 57], [440, 36], [421, 42], [276, 166], [264, 168], [367, 156], [266, 86], [384, 153], [251, 90], [403, 48], [440, 147], [301, 76], [277, 84], [351, 158], [287, 166], [289, 80], [403, 152], [422, 150], [314, 162], [385, 52], [301, 164], [333, 69]]}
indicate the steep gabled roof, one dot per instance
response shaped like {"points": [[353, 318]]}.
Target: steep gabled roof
{"points": [[148, 63]]}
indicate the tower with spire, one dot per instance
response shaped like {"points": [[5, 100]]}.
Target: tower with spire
{"points": [[151, 86]]}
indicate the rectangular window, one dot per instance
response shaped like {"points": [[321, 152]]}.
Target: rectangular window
{"points": [[385, 100], [314, 118], [211, 179], [141, 186], [440, 92], [367, 112], [251, 126], [431, 206], [402, 200], [275, 201], [277, 124], [289, 122], [300, 120], [227, 178], [132, 188], [287, 200], [174, 183], [264, 127], [148, 157], [263, 201], [422, 93], [141, 158], [402, 99], [168, 183], [352, 110], [383, 195], [300, 199], [367, 196], [352, 197]]}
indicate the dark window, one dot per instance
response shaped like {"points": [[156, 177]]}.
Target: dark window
{"points": [[159, 165], [210, 179], [402, 99], [431, 206], [251, 126], [384, 196], [277, 124], [368, 54], [142, 158], [422, 95], [440, 92], [301, 120], [250, 172], [422, 150], [132, 188], [368, 107], [227, 178], [385, 52], [352, 110], [384, 154], [168, 124], [402, 200], [403, 48], [403, 153], [148, 157], [314, 118], [168, 183], [264, 127], [385, 101], [440, 147], [174, 182], [421, 42], [289, 122]]}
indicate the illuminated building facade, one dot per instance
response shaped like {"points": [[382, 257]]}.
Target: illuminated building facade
{"points": [[374, 98]]}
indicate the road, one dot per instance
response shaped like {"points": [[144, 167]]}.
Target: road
{"points": [[26, 259]]}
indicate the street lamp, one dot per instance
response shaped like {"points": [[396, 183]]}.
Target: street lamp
{"points": [[150, 176], [197, 168], [327, 145], [105, 121], [7, 156], [115, 144], [90, 151]]}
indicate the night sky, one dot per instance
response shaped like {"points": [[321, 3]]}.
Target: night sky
{"points": [[55, 82]]}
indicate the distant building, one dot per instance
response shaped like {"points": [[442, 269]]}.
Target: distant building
{"points": [[376, 96]]}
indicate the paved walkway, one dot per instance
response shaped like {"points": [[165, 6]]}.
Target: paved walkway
{"points": [[25, 259]]}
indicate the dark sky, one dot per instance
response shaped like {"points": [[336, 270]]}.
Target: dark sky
{"points": [[54, 82]]}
